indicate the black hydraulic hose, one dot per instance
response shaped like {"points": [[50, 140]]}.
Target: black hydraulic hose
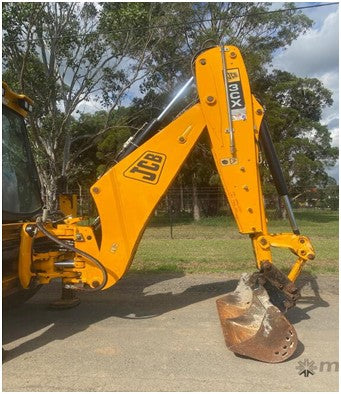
{"points": [[41, 227]]}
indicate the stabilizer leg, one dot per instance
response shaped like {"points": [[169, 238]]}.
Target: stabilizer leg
{"points": [[67, 300]]}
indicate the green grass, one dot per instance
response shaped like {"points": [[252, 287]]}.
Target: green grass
{"points": [[214, 245]]}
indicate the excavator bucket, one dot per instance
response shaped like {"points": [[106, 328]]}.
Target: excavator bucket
{"points": [[253, 326]]}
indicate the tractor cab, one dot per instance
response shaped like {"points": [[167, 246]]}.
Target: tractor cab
{"points": [[20, 183]]}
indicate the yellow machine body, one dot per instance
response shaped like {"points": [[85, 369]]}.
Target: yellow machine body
{"points": [[67, 203], [19, 103]]}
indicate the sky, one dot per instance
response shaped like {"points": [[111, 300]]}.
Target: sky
{"points": [[316, 54]]}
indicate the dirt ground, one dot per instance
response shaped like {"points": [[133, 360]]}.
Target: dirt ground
{"points": [[161, 332]]}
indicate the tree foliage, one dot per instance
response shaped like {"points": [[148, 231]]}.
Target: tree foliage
{"points": [[61, 55], [294, 109]]}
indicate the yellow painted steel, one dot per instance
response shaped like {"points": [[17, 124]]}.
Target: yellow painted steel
{"points": [[127, 194], [11, 100], [41, 265], [239, 172], [13, 231], [297, 244], [68, 204]]}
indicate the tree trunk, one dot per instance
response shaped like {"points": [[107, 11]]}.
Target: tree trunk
{"points": [[80, 204], [281, 211], [196, 208], [48, 183], [182, 206]]}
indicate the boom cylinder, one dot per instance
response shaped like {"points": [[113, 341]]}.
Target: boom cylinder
{"points": [[151, 129]]}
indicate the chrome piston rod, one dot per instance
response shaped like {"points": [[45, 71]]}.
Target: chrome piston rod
{"points": [[152, 128]]}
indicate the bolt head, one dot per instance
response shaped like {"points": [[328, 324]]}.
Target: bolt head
{"points": [[79, 237], [95, 190], [203, 61], [210, 100], [259, 112], [233, 55], [95, 283]]}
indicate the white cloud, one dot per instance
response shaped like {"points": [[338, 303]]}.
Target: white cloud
{"points": [[316, 54], [334, 171], [330, 115], [335, 136]]}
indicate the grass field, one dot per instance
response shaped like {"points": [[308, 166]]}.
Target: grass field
{"points": [[214, 245]]}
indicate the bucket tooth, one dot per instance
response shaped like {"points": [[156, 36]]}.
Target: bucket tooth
{"points": [[253, 326]]}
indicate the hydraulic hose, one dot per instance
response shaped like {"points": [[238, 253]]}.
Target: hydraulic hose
{"points": [[41, 227]]}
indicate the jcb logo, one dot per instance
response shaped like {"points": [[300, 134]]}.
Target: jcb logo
{"points": [[147, 168], [233, 75]]}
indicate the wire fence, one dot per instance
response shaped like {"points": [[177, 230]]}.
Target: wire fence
{"points": [[209, 201]]}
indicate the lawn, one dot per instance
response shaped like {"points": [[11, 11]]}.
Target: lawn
{"points": [[214, 245]]}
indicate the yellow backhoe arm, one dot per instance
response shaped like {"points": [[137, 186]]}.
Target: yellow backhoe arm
{"points": [[127, 194]]}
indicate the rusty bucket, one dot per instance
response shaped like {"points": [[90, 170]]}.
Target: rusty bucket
{"points": [[253, 326]]}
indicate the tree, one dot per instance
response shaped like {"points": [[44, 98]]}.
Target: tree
{"points": [[252, 27], [294, 109], [62, 55]]}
